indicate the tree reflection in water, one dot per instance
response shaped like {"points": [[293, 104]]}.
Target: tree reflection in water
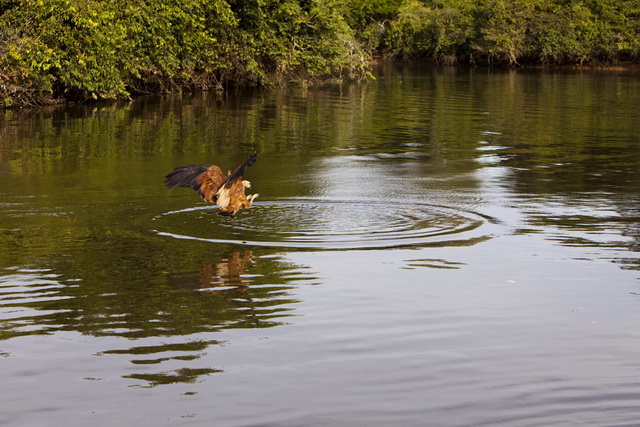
{"points": [[171, 324]]}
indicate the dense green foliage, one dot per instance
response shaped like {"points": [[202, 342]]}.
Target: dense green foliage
{"points": [[517, 31], [110, 48], [105, 49]]}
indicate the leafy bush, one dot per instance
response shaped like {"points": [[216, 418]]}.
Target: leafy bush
{"points": [[106, 49], [515, 31], [440, 30]]}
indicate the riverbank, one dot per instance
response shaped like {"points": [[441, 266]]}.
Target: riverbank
{"points": [[76, 51]]}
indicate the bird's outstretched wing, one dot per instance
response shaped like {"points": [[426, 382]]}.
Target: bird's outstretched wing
{"points": [[239, 171], [204, 179], [209, 181]]}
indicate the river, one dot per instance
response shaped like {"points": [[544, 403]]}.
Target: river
{"points": [[438, 246]]}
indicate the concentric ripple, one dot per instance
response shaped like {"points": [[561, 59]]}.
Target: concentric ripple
{"points": [[328, 224]]}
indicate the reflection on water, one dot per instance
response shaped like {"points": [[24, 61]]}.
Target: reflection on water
{"points": [[432, 263], [41, 302], [237, 289], [164, 353], [227, 275], [474, 235], [27, 298]]}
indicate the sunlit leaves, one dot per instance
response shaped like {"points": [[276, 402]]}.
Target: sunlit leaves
{"points": [[105, 49], [82, 49], [516, 31]]}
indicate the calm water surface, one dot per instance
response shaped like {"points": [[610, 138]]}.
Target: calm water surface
{"points": [[436, 247]]}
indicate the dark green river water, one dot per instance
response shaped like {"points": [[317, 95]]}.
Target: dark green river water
{"points": [[436, 247]]}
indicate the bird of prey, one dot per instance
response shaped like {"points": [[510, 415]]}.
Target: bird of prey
{"points": [[213, 186]]}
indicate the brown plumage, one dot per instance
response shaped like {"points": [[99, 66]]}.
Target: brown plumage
{"points": [[213, 186]]}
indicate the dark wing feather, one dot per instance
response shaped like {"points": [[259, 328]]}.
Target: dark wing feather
{"points": [[185, 176], [239, 171]]}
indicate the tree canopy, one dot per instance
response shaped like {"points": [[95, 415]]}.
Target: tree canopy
{"points": [[107, 49]]}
